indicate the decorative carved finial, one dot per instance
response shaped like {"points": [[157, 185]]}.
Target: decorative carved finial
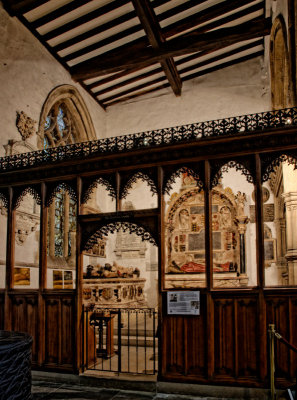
{"points": [[25, 125], [240, 200]]}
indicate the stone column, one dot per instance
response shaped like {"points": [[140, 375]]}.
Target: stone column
{"points": [[291, 229], [241, 222]]}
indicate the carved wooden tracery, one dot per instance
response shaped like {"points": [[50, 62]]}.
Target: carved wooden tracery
{"points": [[29, 190], [4, 199], [61, 186], [113, 227], [140, 175], [169, 181], [107, 182], [270, 162], [218, 167]]}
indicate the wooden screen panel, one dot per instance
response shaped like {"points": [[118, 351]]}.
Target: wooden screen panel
{"points": [[52, 325], [184, 346], [173, 346], [224, 337], [196, 342], [293, 335], [67, 332], [248, 349], [2, 297], [25, 318], [278, 313], [60, 332]]}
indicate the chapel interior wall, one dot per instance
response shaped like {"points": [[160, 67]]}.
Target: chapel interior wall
{"points": [[28, 73]]}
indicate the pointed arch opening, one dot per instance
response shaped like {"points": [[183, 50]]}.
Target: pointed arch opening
{"points": [[64, 119], [61, 238], [279, 196], [279, 65]]}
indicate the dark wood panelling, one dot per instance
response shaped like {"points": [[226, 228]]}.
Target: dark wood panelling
{"points": [[59, 331], [196, 344], [224, 338], [2, 297], [24, 318], [67, 332], [173, 344], [247, 338], [52, 323], [278, 313]]}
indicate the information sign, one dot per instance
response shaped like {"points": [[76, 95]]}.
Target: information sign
{"points": [[183, 303]]}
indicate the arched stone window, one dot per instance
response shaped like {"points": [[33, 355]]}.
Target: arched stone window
{"points": [[64, 119], [279, 65]]}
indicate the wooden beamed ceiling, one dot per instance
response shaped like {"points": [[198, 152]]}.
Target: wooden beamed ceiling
{"points": [[122, 49]]}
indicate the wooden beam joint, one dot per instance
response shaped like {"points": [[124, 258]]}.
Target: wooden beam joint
{"points": [[153, 31]]}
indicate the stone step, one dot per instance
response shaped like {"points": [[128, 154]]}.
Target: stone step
{"points": [[134, 332], [133, 340], [140, 341]]}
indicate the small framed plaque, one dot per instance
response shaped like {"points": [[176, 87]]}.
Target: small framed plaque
{"points": [[183, 303]]}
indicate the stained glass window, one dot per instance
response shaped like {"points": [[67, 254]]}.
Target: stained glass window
{"points": [[59, 128], [59, 224]]}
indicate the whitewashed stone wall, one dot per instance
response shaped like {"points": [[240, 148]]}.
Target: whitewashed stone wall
{"points": [[236, 90], [28, 73]]}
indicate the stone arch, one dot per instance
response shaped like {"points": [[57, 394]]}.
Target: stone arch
{"points": [[70, 98], [279, 65]]}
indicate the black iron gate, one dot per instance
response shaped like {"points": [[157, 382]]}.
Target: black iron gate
{"points": [[120, 340]]}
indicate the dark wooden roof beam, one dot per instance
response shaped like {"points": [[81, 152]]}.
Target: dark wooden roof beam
{"points": [[143, 42], [223, 65], [186, 78], [171, 30], [17, 7], [134, 95], [204, 16], [182, 45], [116, 76], [128, 81], [221, 57], [153, 72], [136, 45], [133, 89], [73, 5], [181, 71], [87, 18], [204, 53], [152, 29]]}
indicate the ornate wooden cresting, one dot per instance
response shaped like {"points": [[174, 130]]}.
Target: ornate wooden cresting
{"points": [[227, 342]]}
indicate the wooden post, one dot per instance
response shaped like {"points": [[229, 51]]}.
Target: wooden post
{"points": [[209, 270], [10, 247], [260, 266], [79, 282], [208, 227], [118, 194], [161, 265], [42, 274]]}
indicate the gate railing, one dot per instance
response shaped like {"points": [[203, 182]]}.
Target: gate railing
{"points": [[121, 340], [272, 335]]}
